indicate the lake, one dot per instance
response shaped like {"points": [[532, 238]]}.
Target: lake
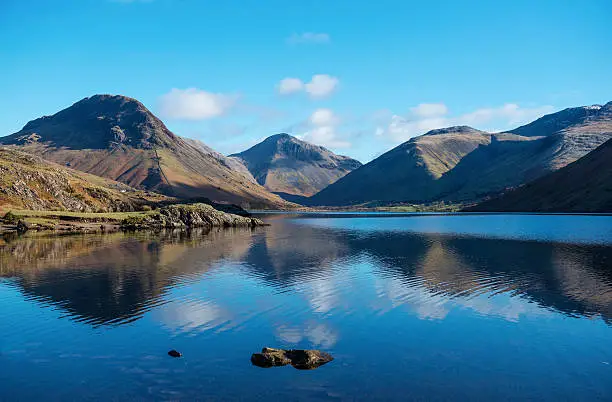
{"points": [[412, 307]]}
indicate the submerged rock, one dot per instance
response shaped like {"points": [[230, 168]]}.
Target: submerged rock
{"points": [[299, 358], [174, 353]]}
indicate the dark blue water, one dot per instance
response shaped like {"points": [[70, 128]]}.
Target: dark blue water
{"points": [[469, 307]]}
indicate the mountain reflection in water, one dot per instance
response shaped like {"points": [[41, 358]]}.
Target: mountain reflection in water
{"points": [[115, 278], [310, 285]]}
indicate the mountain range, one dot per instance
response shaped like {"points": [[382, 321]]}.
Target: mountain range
{"points": [[462, 164], [118, 139]]}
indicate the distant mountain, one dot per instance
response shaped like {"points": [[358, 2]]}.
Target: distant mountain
{"points": [[462, 164], [522, 158], [582, 186], [118, 138], [30, 182], [406, 173], [286, 165]]}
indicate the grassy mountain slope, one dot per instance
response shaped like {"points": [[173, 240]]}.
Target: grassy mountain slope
{"points": [[30, 182], [582, 186], [406, 173]]}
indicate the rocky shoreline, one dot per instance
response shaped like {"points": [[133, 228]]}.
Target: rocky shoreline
{"points": [[178, 217]]}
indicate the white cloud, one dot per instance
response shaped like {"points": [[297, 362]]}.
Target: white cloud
{"points": [[429, 116], [320, 86], [325, 136], [429, 110], [401, 128], [194, 104], [323, 117], [290, 85], [308, 37], [512, 113], [321, 130]]}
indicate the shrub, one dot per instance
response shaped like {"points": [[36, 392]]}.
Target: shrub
{"points": [[147, 208], [133, 222], [11, 218]]}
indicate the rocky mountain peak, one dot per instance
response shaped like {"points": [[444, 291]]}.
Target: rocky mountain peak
{"points": [[286, 164], [280, 137], [554, 122], [453, 130], [606, 109], [97, 122]]}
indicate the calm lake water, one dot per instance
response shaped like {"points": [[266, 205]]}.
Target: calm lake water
{"points": [[463, 307]]}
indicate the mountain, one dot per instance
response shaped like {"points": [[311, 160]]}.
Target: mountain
{"points": [[581, 186], [565, 137], [286, 165], [118, 138], [30, 182], [406, 173], [462, 164]]}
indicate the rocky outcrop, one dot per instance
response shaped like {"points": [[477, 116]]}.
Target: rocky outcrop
{"points": [[188, 216], [299, 358]]}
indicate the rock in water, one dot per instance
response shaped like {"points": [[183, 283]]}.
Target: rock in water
{"points": [[298, 358], [308, 359], [270, 358], [174, 353]]}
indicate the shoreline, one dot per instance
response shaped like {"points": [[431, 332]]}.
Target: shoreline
{"points": [[178, 216]]}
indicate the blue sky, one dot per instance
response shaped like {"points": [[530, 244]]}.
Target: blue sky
{"points": [[356, 76]]}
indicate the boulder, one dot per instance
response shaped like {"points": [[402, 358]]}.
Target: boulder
{"points": [[174, 353], [300, 359]]}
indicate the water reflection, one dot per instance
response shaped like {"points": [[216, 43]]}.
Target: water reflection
{"points": [[116, 278], [113, 278]]}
